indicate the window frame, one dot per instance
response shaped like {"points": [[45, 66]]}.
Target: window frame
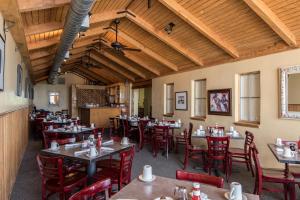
{"points": [[166, 100], [56, 94], [248, 123], [193, 88]]}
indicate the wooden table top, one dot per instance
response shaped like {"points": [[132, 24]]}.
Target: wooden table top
{"points": [[162, 186], [279, 156], [69, 152]]}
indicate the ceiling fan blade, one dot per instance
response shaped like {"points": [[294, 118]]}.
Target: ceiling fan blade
{"points": [[132, 49]]}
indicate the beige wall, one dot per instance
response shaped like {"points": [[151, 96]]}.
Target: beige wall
{"points": [[42, 89], [294, 89], [225, 76], [8, 98]]}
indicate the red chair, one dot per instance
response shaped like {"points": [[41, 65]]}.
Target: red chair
{"points": [[94, 191], [200, 178], [180, 139], [144, 137], [161, 139], [38, 124], [270, 176], [119, 172], [191, 151], [55, 179], [217, 152], [242, 155]]}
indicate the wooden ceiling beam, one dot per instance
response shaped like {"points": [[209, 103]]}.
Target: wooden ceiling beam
{"points": [[32, 5], [123, 63], [200, 26], [44, 60], [113, 66], [41, 79], [107, 73], [39, 54], [146, 50], [269, 17], [42, 44], [165, 38], [83, 74], [93, 74], [42, 28], [142, 63], [106, 16]]}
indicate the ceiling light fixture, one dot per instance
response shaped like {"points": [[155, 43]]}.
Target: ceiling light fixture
{"points": [[169, 27]]}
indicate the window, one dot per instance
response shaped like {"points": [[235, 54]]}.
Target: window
{"points": [[169, 98], [250, 97], [199, 101], [54, 98]]}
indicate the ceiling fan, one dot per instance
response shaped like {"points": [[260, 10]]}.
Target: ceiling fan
{"points": [[116, 45]]}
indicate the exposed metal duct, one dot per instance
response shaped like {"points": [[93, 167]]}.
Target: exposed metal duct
{"points": [[79, 9]]}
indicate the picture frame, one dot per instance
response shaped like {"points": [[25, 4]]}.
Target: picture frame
{"points": [[2, 62], [219, 102], [181, 100], [19, 80]]}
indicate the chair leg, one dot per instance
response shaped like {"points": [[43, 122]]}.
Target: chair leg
{"points": [[62, 196], [176, 146], [44, 193], [186, 160]]}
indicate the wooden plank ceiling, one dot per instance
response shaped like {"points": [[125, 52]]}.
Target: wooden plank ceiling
{"points": [[205, 33]]}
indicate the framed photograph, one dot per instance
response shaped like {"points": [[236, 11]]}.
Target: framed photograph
{"points": [[181, 100], [19, 80], [2, 62], [219, 102]]}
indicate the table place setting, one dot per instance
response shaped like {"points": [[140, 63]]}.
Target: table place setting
{"points": [[235, 192], [286, 149], [147, 175]]}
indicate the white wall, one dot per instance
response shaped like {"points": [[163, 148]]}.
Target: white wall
{"points": [[225, 76], [8, 98], [42, 89]]}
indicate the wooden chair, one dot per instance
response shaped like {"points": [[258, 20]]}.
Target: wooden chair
{"points": [[55, 179], [191, 151], [217, 152], [94, 191], [179, 139], [270, 176], [112, 127], [242, 155], [160, 139], [118, 172], [144, 136], [38, 125], [200, 178]]}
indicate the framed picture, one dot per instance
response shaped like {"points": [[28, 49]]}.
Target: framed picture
{"points": [[19, 80], [219, 102], [2, 62], [181, 100]]}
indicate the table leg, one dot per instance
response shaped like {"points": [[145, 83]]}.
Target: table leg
{"points": [[91, 171], [286, 170]]}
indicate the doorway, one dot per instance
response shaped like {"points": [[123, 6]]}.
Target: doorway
{"points": [[142, 101]]}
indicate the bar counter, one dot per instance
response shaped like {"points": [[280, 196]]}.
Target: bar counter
{"points": [[98, 115]]}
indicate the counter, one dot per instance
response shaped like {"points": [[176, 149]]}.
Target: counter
{"points": [[99, 115]]}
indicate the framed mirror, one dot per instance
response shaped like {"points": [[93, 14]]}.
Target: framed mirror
{"points": [[290, 92]]}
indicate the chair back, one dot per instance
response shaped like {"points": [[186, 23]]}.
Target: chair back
{"points": [[190, 132], [51, 168], [125, 127], [112, 126], [200, 178], [94, 191], [161, 131], [253, 152], [248, 140], [51, 136], [126, 166], [217, 147]]}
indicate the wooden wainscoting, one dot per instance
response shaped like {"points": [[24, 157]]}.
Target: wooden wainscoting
{"points": [[13, 142]]}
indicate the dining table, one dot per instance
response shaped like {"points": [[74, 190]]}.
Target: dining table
{"points": [[162, 186], [76, 152], [206, 133], [70, 131], [278, 154]]}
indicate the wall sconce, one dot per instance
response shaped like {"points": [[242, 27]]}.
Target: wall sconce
{"points": [[169, 27]]}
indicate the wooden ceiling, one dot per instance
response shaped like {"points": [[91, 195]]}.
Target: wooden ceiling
{"points": [[206, 32]]}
